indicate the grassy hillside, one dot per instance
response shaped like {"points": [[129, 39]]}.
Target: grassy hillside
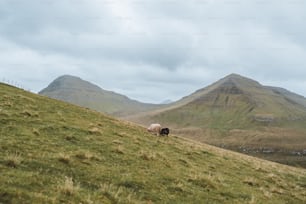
{"points": [[80, 92], [54, 152], [240, 114]]}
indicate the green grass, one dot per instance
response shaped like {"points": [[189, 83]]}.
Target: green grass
{"points": [[54, 152]]}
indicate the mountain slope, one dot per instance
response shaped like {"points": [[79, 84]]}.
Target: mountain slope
{"points": [[77, 91], [289, 95], [237, 102], [55, 152], [241, 114], [234, 102]]}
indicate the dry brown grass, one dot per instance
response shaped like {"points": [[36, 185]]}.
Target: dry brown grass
{"points": [[147, 155], [63, 157], [119, 149], [117, 194], [68, 186], [95, 131], [36, 131], [86, 155], [13, 159]]}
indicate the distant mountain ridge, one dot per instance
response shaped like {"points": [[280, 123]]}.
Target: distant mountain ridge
{"points": [[288, 94], [259, 99], [168, 101], [235, 94], [247, 85], [238, 113], [80, 92]]}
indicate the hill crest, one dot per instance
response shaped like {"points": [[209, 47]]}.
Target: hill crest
{"points": [[69, 82], [261, 98], [80, 92]]}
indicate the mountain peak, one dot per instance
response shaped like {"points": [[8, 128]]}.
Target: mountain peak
{"points": [[70, 82], [236, 77], [238, 81], [83, 93], [68, 77], [233, 75]]}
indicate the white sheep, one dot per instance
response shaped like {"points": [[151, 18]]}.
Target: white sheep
{"points": [[155, 128]]}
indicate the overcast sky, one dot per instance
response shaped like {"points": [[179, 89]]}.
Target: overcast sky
{"points": [[153, 50]]}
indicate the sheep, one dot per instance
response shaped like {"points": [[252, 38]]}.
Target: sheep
{"points": [[155, 128], [164, 131]]}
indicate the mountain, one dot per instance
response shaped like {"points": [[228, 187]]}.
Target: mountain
{"points": [[240, 114], [168, 101], [56, 152], [80, 92], [289, 95]]}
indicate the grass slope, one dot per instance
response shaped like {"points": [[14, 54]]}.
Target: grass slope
{"points": [[54, 152]]}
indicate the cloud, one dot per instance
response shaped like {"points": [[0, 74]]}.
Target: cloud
{"points": [[168, 47]]}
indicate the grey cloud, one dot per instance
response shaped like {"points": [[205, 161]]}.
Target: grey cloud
{"points": [[171, 46]]}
